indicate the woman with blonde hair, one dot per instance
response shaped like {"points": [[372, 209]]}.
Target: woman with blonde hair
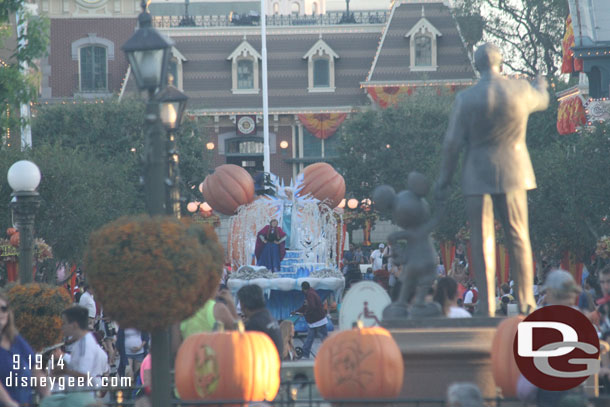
{"points": [[17, 359], [287, 330]]}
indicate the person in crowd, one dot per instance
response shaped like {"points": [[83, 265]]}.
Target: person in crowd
{"points": [[110, 329], [505, 292], [87, 358], [133, 347], [86, 300], [560, 288], [258, 317], [464, 395], [459, 272], [315, 316], [14, 348], [387, 257], [447, 296], [287, 329], [270, 246], [376, 257], [145, 380], [586, 299], [351, 262], [471, 296], [220, 310]]}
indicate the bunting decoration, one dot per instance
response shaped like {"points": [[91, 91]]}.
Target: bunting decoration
{"points": [[572, 265], [569, 63], [386, 96], [570, 115], [322, 125]]}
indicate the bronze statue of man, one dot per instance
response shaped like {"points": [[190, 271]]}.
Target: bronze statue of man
{"points": [[489, 121]]}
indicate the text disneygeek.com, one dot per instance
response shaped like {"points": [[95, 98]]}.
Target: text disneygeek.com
{"points": [[65, 382]]}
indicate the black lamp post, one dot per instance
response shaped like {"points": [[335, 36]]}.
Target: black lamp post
{"points": [[148, 54], [24, 177], [347, 18], [173, 103]]}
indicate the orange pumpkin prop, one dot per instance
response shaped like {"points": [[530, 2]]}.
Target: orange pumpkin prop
{"points": [[227, 188], [235, 365], [11, 231], [14, 241], [324, 183], [362, 363], [505, 370]]}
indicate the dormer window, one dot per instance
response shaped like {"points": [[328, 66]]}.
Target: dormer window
{"points": [[422, 43], [321, 72], [244, 71], [245, 74], [321, 67], [423, 50]]}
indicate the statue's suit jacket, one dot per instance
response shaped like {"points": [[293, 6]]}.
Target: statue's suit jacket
{"points": [[489, 119]]}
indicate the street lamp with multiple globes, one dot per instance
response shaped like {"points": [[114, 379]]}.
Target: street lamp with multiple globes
{"points": [[148, 53], [24, 177], [173, 103]]}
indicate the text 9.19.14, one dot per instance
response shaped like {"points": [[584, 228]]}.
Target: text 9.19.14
{"points": [[32, 362]]}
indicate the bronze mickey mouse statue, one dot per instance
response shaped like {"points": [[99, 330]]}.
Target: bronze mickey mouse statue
{"points": [[410, 211]]}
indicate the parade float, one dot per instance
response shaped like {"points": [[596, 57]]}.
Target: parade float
{"points": [[305, 210]]}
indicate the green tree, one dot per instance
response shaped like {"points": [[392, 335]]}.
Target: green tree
{"points": [[79, 193], [383, 146], [113, 129], [528, 31], [19, 86]]}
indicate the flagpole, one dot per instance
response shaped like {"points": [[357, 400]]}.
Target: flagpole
{"points": [[266, 158]]}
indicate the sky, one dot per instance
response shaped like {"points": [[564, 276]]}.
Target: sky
{"points": [[358, 4]]}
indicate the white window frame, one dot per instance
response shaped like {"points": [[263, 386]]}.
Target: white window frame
{"points": [[321, 50], [244, 51], [92, 40], [423, 27]]}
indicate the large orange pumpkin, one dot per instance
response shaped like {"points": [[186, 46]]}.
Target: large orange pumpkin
{"points": [[505, 370], [362, 363], [14, 240], [324, 183], [227, 188], [235, 365]]}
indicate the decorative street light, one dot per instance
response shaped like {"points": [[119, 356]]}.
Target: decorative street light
{"points": [[172, 103], [148, 54], [24, 177], [352, 203]]}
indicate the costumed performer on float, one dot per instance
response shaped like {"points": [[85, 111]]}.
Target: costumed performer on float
{"points": [[270, 246]]}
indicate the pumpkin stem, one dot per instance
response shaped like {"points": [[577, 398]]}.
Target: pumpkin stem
{"points": [[241, 328], [359, 324]]}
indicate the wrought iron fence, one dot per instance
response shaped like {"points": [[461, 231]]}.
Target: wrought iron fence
{"points": [[253, 19], [299, 393]]}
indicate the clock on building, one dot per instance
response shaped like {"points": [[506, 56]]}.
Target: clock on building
{"points": [[246, 125]]}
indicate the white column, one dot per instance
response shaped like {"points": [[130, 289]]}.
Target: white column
{"points": [[266, 157]]}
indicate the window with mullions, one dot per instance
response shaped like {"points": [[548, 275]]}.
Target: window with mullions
{"points": [[423, 50], [244, 147], [245, 74], [321, 73], [93, 69], [312, 146]]}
